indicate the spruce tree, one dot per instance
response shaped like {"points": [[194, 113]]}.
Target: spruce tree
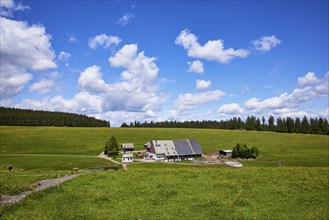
{"points": [[111, 147]]}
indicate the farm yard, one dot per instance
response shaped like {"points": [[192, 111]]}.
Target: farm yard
{"points": [[289, 179]]}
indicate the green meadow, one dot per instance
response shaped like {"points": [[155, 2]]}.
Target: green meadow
{"points": [[291, 149], [177, 192], [29, 169], [289, 180]]}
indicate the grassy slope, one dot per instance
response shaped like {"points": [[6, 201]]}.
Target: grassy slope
{"points": [[184, 192], [31, 169], [49, 162], [151, 191], [291, 149]]}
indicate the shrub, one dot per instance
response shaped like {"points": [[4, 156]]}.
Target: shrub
{"points": [[242, 151], [254, 152]]}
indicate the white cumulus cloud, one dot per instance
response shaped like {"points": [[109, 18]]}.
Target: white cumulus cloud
{"points": [[286, 104], [308, 79], [24, 48], [134, 96], [294, 99], [138, 66], [7, 7], [202, 84], [91, 80], [103, 40], [73, 39], [12, 80], [195, 66], [230, 109], [42, 87], [190, 101], [126, 19], [324, 114], [266, 43], [212, 50], [64, 56]]}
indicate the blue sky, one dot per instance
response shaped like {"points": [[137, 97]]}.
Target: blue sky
{"points": [[168, 60]]}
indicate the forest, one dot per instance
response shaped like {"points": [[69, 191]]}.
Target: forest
{"points": [[252, 123], [25, 117]]}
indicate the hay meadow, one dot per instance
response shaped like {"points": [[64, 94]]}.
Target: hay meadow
{"points": [[289, 180]]}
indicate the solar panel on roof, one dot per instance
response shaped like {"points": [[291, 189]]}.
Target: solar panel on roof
{"points": [[196, 147], [183, 147]]}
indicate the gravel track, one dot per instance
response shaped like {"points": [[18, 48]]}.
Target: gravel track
{"points": [[41, 185]]}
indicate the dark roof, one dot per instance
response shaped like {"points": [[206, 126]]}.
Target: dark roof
{"points": [[187, 147], [196, 147], [183, 147]]}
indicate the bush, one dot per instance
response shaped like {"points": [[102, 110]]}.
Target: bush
{"points": [[254, 152], [242, 151]]}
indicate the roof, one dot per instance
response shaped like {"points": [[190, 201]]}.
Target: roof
{"points": [[127, 155], [227, 151], [195, 146], [127, 145], [165, 147], [183, 147], [177, 147]]}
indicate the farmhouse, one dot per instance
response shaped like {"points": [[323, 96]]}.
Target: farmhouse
{"points": [[225, 153], [127, 147], [128, 158], [173, 150]]}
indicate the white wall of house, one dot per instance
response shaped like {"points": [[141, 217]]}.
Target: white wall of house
{"points": [[126, 159]]}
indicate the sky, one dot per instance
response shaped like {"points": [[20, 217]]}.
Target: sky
{"points": [[123, 61]]}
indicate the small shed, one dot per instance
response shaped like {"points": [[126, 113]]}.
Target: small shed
{"points": [[128, 158], [225, 153], [127, 147]]}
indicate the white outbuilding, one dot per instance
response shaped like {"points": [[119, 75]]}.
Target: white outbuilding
{"points": [[126, 158]]}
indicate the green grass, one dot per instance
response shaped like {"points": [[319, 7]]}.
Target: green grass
{"points": [[44, 162], [13, 183], [260, 190], [184, 192], [31, 169], [290, 149]]}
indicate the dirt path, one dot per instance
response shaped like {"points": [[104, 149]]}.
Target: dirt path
{"points": [[102, 155], [44, 184], [41, 185]]}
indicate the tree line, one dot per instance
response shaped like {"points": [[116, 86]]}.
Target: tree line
{"points": [[283, 125], [25, 117]]}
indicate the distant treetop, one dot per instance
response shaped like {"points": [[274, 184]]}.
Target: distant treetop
{"points": [[26, 117], [283, 125]]}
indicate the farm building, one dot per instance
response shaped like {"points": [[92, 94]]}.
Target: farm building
{"points": [[173, 150], [128, 158], [127, 147], [225, 153]]}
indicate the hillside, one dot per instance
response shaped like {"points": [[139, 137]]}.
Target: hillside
{"points": [[292, 149], [26, 117], [287, 181]]}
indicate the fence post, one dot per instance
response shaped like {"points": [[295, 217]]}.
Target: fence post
{"points": [[58, 182]]}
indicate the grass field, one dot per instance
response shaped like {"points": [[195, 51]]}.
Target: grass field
{"points": [[29, 169], [291, 149], [260, 190], [184, 192]]}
